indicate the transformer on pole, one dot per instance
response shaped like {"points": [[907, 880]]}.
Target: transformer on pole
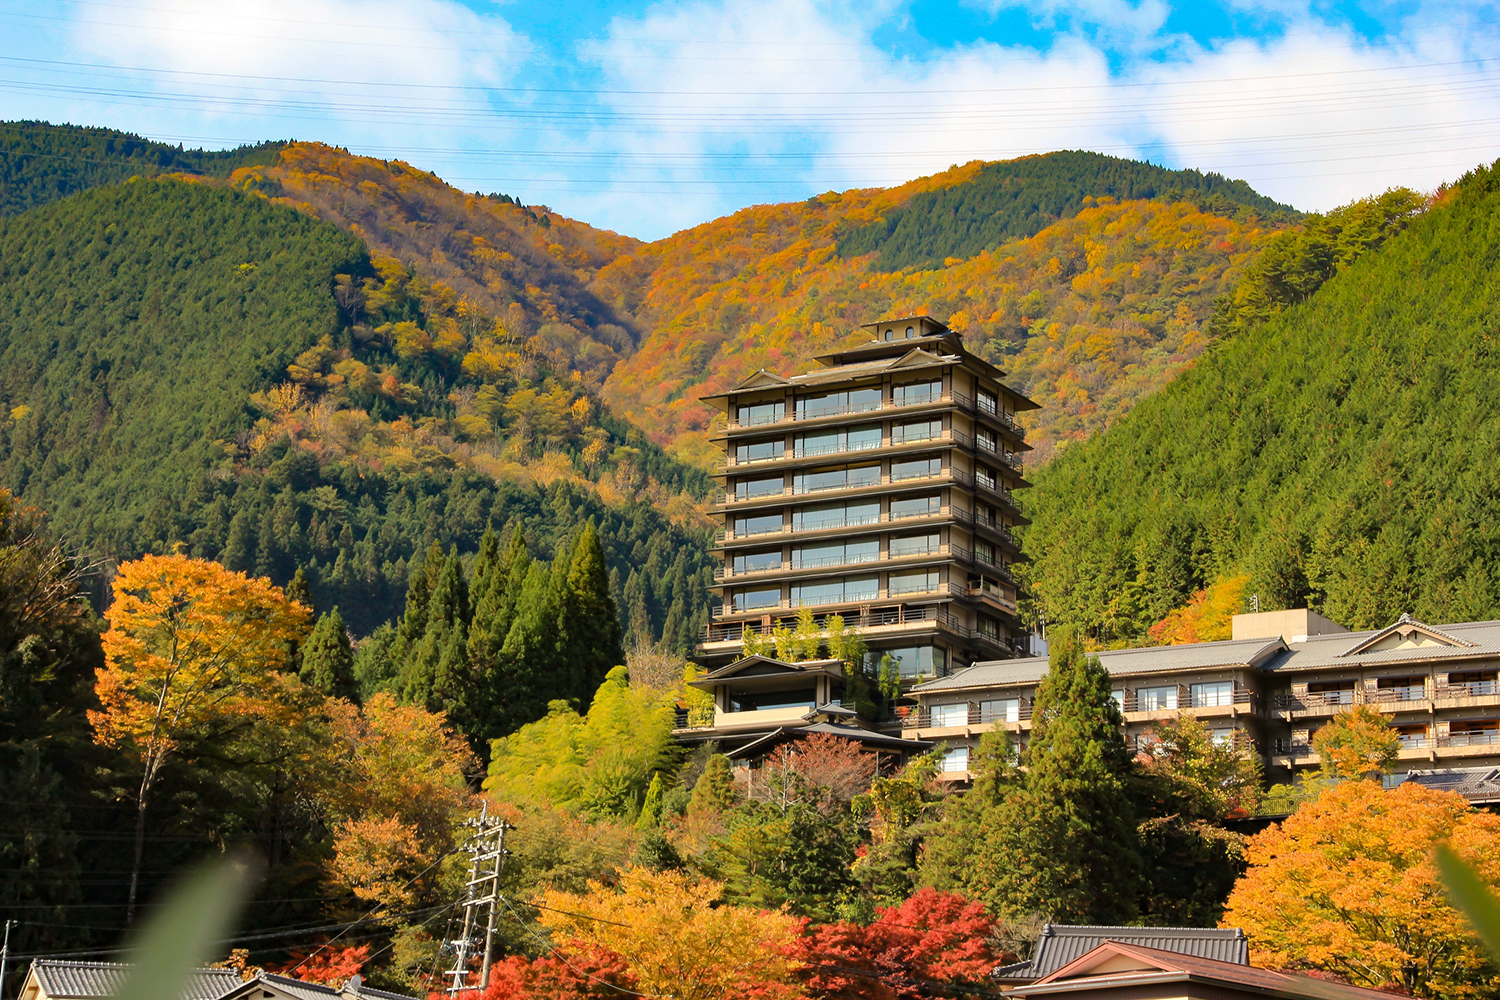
{"points": [[481, 900]]}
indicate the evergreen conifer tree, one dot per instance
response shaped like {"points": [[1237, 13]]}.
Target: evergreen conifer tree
{"points": [[421, 579], [590, 639], [447, 616], [526, 672], [714, 791], [328, 658], [1057, 836], [650, 816], [298, 589]]}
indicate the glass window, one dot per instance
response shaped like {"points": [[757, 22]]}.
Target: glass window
{"points": [[920, 581], [814, 443], [762, 524], [988, 402], [1221, 737], [825, 404], [986, 438], [864, 438], [985, 552], [985, 477], [835, 553], [749, 489], [915, 545], [1000, 710], [856, 588], [759, 451], [862, 588], [835, 515], [921, 430], [916, 468], [1118, 697], [916, 661], [836, 479], [915, 507], [951, 715], [761, 700], [1156, 699], [956, 760], [915, 393], [1216, 694], [761, 413], [756, 562], [749, 600]]}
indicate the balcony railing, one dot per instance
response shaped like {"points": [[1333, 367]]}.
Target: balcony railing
{"points": [[1363, 696], [1293, 748], [867, 618], [1468, 689], [1186, 700], [948, 475], [1475, 738], [950, 512], [1316, 699], [969, 714], [1411, 692], [963, 400], [883, 594]]}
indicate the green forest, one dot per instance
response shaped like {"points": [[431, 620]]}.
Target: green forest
{"points": [[1019, 198], [1339, 452], [139, 323], [42, 163]]}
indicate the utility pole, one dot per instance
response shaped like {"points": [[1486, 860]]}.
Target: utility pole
{"points": [[5, 956], [481, 893]]}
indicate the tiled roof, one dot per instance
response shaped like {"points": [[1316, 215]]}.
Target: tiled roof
{"points": [[1320, 651], [1477, 784], [1150, 659], [62, 979], [317, 991], [1162, 964], [1060, 944]]}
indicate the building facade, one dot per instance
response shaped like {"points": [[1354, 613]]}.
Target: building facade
{"points": [[878, 488], [1269, 688], [878, 492]]}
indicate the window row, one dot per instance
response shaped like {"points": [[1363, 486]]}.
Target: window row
{"points": [[867, 437], [844, 590], [1165, 697], [838, 515], [838, 553], [826, 404], [851, 477]]}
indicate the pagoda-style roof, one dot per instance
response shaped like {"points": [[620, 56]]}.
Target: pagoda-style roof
{"points": [[866, 738], [752, 672]]}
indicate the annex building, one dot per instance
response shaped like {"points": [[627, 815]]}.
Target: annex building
{"points": [[878, 488], [1268, 689]]}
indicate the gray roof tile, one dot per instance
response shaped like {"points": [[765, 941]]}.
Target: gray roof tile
{"points": [[79, 980], [1060, 944]]}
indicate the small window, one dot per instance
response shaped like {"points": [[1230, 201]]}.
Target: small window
{"points": [[1156, 699], [950, 715], [757, 562], [920, 581], [1218, 694], [761, 413], [915, 507], [1000, 710], [750, 600], [910, 333], [917, 468], [956, 760], [915, 545], [763, 524], [750, 489], [1221, 737], [1118, 697]]}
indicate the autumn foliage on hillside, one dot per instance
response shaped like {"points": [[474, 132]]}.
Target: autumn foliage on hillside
{"points": [[1086, 316]]}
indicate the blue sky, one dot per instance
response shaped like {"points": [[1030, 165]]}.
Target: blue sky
{"points": [[651, 117]]}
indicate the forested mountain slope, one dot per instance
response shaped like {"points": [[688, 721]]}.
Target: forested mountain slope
{"points": [[40, 162], [1014, 199], [1341, 453], [1086, 316], [182, 362]]}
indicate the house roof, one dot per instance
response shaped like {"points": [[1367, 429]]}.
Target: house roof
{"points": [[1129, 966], [286, 988], [66, 979], [1147, 660], [1477, 784], [1458, 641], [1061, 944], [757, 667], [865, 737]]}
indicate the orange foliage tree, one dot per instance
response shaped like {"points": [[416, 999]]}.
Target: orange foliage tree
{"points": [[677, 940], [332, 965], [587, 973], [404, 794], [190, 646], [1356, 743], [1347, 885], [1207, 617]]}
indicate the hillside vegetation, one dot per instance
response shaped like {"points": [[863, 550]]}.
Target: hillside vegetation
{"points": [[1086, 316], [1340, 454], [188, 363], [41, 163], [1015, 199]]}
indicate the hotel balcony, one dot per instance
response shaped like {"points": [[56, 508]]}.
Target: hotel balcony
{"points": [[1241, 701], [1409, 698], [814, 529], [808, 567], [1002, 602], [897, 621], [939, 721], [885, 484], [840, 413], [895, 445]]}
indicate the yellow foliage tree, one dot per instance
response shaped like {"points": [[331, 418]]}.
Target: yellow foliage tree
{"points": [[1347, 885], [403, 796], [190, 646], [1207, 617], [1356, 743], [677, 941]]}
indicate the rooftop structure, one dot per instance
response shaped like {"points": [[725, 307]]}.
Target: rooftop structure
{"points": [[1061, 944], [877, 488], [51, 979]]}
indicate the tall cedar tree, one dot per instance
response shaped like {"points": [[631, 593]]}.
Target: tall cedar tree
{"points": [[590, 622], [446, 619], [1057, 836], [328, 658]]}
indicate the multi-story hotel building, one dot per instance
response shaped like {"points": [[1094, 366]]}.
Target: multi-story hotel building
{"points": [[879, 488], [1268, 688]]}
